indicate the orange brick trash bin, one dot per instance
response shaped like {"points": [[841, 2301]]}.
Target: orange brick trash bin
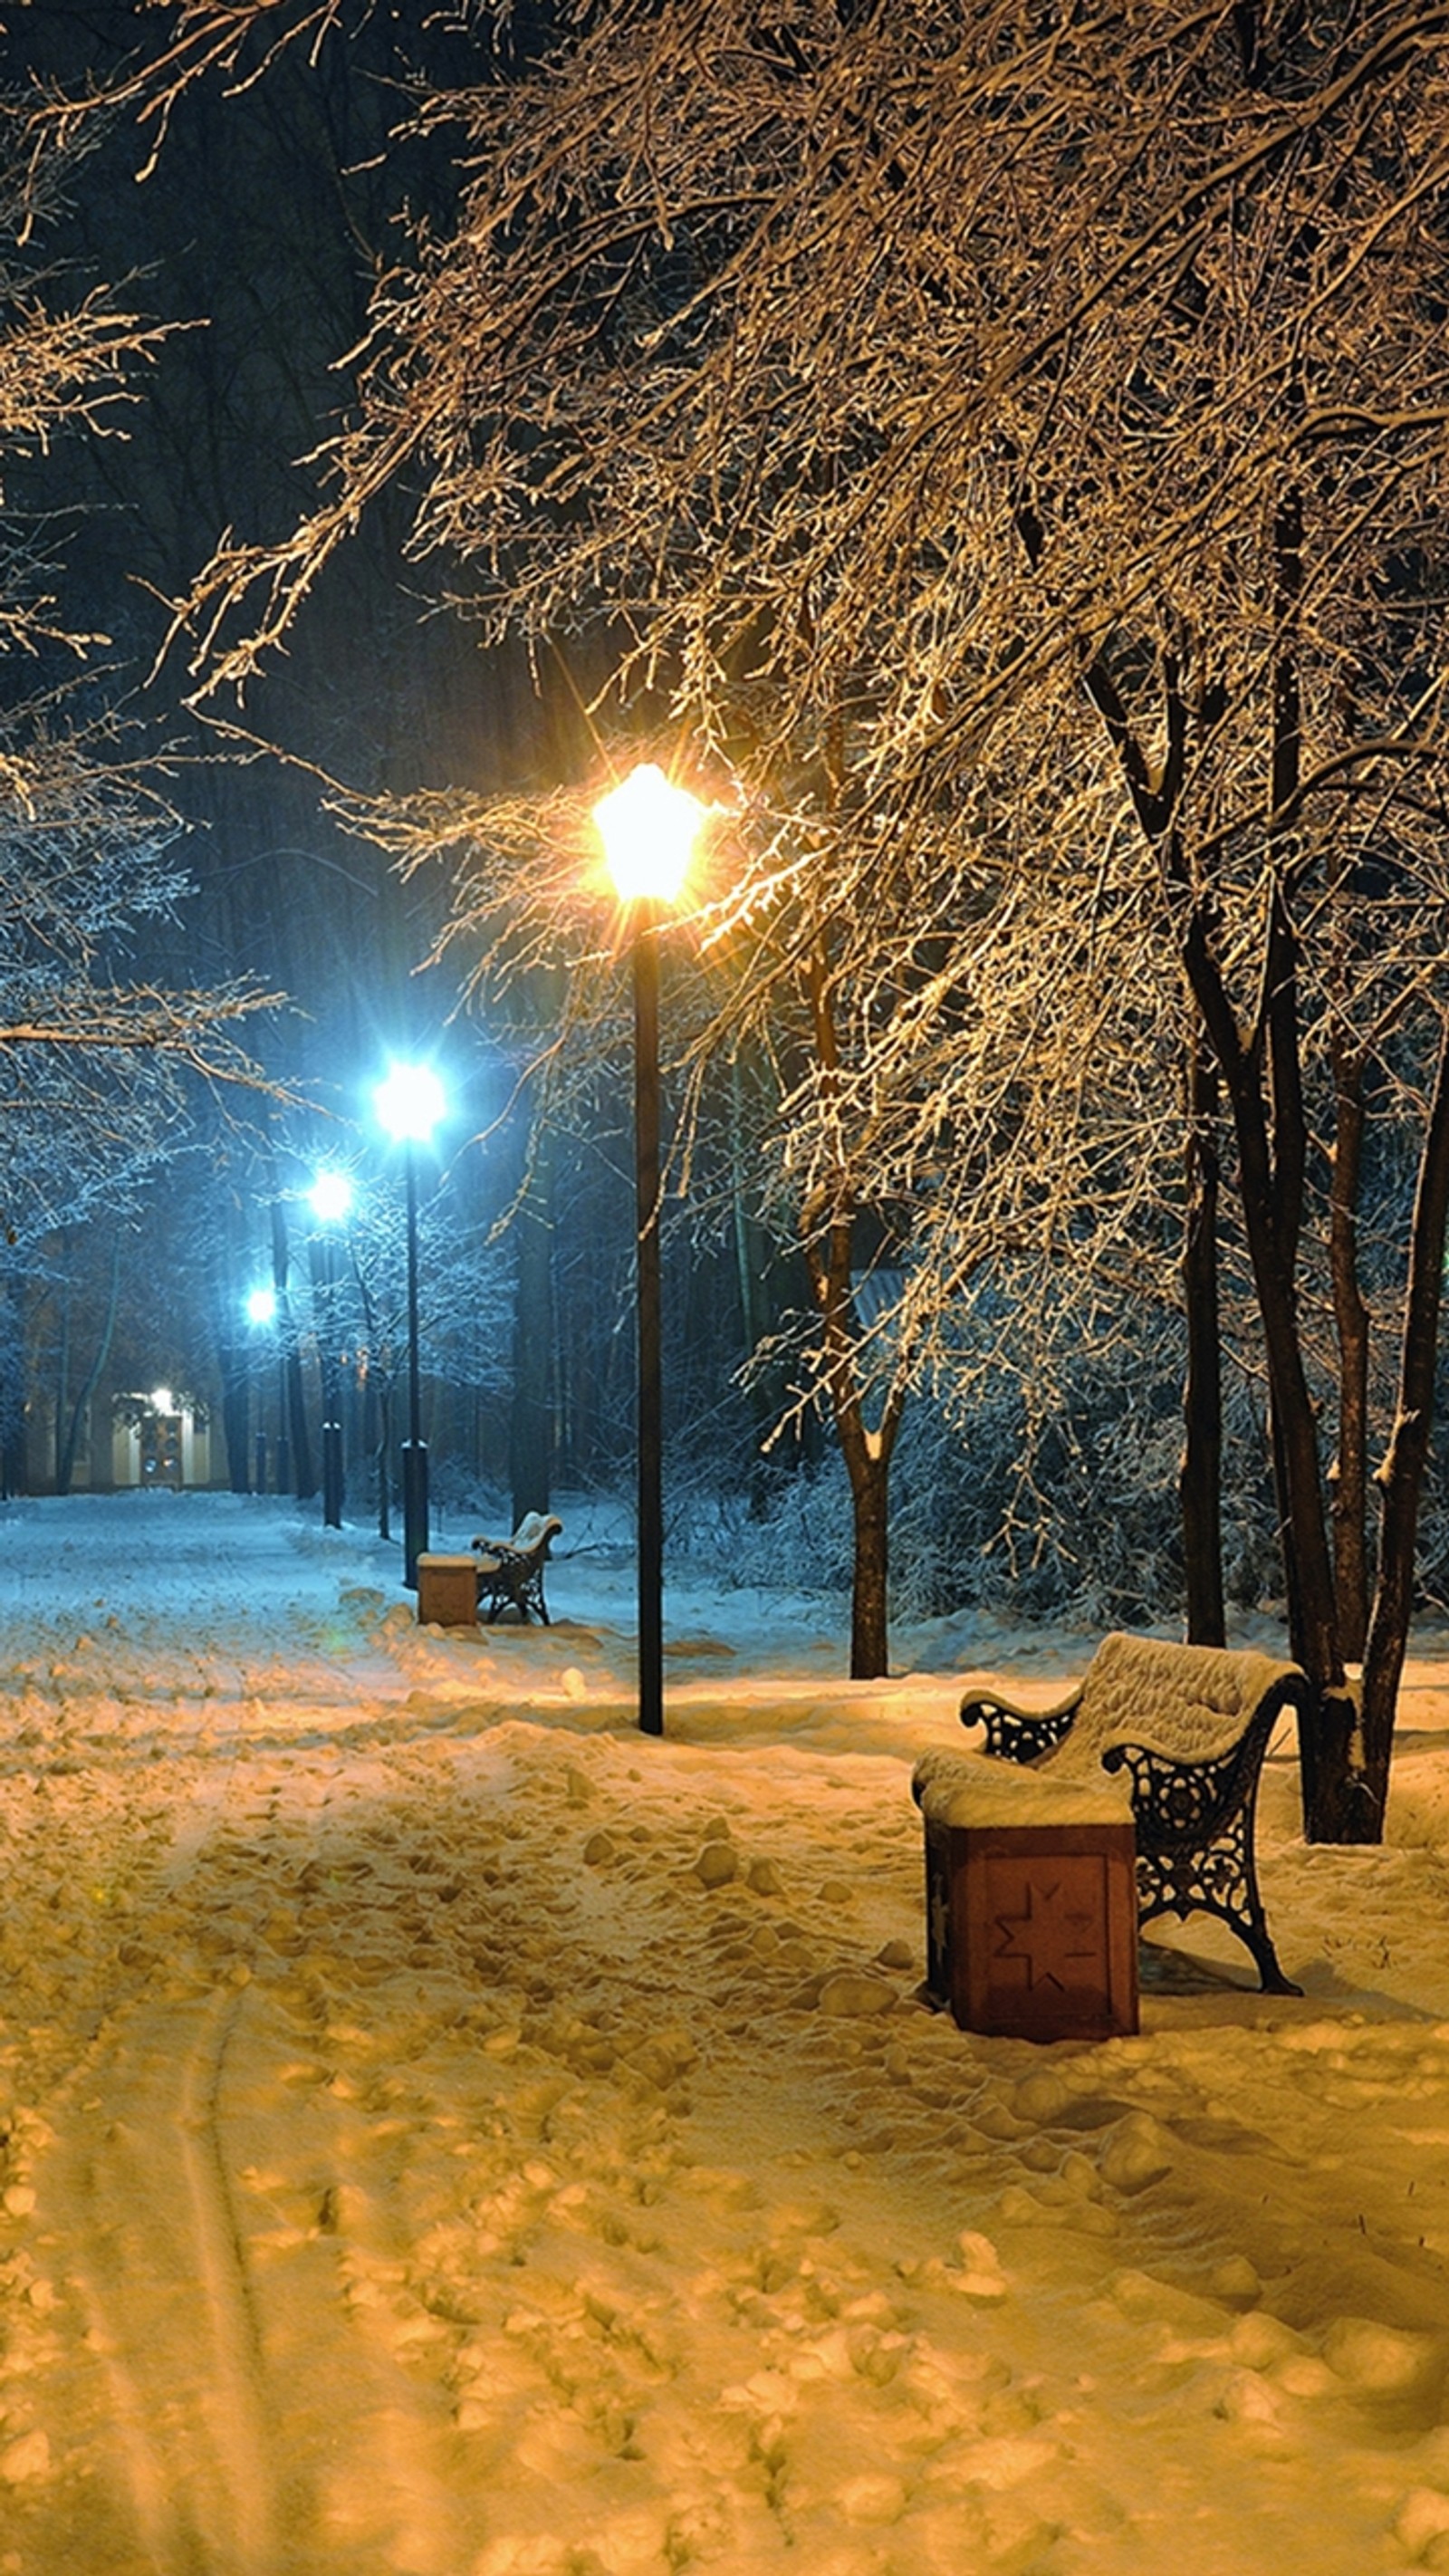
{"points": [[1031, 1899], [447, 1591]]}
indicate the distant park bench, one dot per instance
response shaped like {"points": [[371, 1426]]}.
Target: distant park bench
{"points": [[510, 1570], [1190, 1725]]}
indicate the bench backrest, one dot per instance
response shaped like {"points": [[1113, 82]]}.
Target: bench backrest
{"points": [[535, 1533], [1190, 1703]]}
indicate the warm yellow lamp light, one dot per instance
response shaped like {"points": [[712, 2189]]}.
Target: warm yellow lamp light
{"points": [[648, 829]]}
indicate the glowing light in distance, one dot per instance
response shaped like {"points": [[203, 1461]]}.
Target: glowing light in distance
{"points": [[409, 1103], [331, 1196], [648, 829], [162, 1400], [261, 1306]]}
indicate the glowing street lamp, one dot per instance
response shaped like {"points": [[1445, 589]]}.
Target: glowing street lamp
{"points": [[648, 829], [331, 1198], [409, 1105]]}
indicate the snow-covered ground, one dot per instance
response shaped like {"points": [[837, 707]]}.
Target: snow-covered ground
{"points": [[447, 2134]]}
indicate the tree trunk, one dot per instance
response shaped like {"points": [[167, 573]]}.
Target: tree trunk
{"points": [[1200, 1482], [828, 1241], [377, 1387], [236, 1426], [382, 1459], [530, 1417], [869, 1608], [1326, 1739], [304, 1484], [14, 1448], [1325, 1747], [1401, 1477], [62, 1365], [234, 1364], [1287, 1168], [1298, 1645], [751, 1251], [65, 1463], [1349, 1475]]}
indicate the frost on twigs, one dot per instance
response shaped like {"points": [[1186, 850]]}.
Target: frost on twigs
{"points": [[98, 1063]]}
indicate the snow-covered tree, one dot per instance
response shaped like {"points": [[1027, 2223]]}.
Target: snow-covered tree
{"points": [[1008, 444], [99, 1056], [97, 1062]]}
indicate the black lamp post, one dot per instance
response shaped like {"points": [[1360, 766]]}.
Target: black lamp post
{"points": [[331, 1196], [409, 1104], [648, 830]]}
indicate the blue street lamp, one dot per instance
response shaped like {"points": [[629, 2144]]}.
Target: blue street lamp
{"points": [[409, 1105], [331, 1198], [648, 829]]}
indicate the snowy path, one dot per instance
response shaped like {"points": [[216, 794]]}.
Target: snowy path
{"points": [[447, 2139]]}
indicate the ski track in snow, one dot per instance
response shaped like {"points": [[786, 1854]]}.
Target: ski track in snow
{"points": [[443, 2134]]}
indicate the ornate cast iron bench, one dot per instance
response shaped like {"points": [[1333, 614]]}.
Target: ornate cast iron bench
{"points": [[510, 1570], [1190, 1725]]}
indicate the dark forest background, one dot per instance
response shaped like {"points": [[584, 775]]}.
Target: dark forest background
{"points": [[257, 240]]}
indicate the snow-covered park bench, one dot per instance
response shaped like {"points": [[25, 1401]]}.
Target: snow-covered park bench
{"points": [[510, 1570], [1189, 1725]]}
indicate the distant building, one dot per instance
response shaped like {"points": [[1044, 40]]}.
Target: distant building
{"points": [[158, 1439]]}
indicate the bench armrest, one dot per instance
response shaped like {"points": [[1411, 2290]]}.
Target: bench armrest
{"points": [[1181, 1800], [1015, 1734]]}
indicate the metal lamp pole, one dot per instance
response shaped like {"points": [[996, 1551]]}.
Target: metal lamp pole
{"points": [[414, 1455], [648, 830], [332, 1426], [649, 1319], [409, 1104], [261, 1309], [331, 1199]]}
